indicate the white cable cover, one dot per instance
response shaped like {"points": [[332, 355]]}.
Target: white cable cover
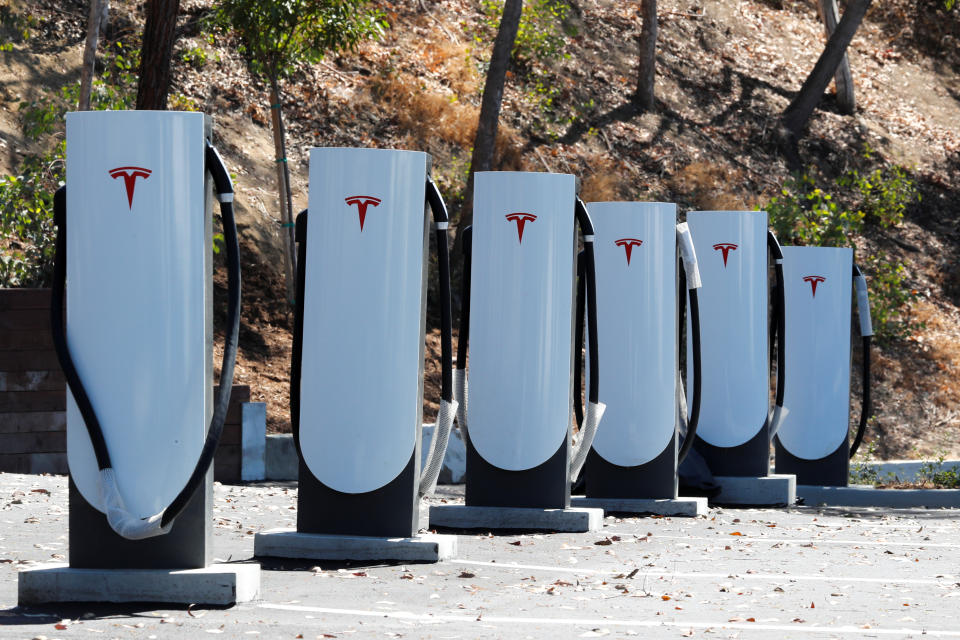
{"points": [[438, 447], [121, 520], [689, 255], [582, 445]]}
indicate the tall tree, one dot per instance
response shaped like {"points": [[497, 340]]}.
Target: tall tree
{"points": [[99, 10], [159, 33], [279, 34], [648, 55], [485, 142], [843, 78], [797, 114]]}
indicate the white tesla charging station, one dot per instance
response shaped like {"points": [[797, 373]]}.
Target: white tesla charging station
{"points": [[812, 441], [357, 374], [632, 466], [735, 415], [518, 313], [137, 354]]}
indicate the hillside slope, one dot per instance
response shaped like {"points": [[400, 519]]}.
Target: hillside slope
{"points": [[725, 72]]}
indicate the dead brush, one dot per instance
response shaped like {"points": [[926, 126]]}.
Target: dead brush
{"points": [[711, 187], [451, 61], [605, 184], [426, 114]]}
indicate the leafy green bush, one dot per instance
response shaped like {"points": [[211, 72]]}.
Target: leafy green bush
{"points": [[26, 220], [806, 214], [935, 473]]}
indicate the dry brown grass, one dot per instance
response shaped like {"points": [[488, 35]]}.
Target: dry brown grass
{"points": [[427, 114], [942, 344], [451, 61], [604, 184], [711, 186]]}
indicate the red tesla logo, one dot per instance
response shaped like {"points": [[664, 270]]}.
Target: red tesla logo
{"points": [[726, 248], [521, 219], [628, 244], [130, 175], [814, 281], [362, 203]]}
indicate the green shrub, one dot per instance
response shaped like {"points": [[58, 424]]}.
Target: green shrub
{"points": [[26, 220], [807, 214], [935, 473]]}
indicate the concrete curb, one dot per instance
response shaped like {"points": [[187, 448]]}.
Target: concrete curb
{"points": [[870, 496]]}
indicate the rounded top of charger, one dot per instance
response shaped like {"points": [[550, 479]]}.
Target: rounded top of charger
{"points": [[731, 211], [633, 203], [526, 173]]}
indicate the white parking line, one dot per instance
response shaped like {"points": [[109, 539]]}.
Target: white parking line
{"points": [[775, 577], [815, 541], [607, 622]]}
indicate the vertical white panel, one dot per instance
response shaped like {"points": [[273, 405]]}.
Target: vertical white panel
{"points": [[520, 316], [362, 333], [817, 286], [732, 252], [137, 259], [636, 260]]}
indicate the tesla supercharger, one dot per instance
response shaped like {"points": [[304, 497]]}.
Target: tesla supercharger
{"points": [[518, 316], [636, 454], [734, 430], [812, 441], [357, 373], [134, 250]]}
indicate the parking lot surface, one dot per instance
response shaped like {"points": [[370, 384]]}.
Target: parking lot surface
{"points": [[803, 572]]}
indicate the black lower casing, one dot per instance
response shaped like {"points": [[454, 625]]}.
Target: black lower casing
{"points": [[391, 511], [546, 486], [656, 479], [832, 470], [748, 460], [94, 545]]}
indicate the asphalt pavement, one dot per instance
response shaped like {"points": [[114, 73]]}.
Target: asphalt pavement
{"points": [[802, 572]]}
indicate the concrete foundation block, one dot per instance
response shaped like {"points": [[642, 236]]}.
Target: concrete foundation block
{"points": [[870, 496], [218, 584], [690, 507], [772, 490], [572, 520], [288, 543]]}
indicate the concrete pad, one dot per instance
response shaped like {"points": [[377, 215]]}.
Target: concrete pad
{"points": [[572, 520], [773, 490], [691, 507], [288, 543], [218, 584], [865, 495]]}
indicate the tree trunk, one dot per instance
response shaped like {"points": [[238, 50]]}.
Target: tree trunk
{"points": [[485, 142], [90, 53], [843, 79], [288, 235], [797, 114], [158, 36], [648, 55]]}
